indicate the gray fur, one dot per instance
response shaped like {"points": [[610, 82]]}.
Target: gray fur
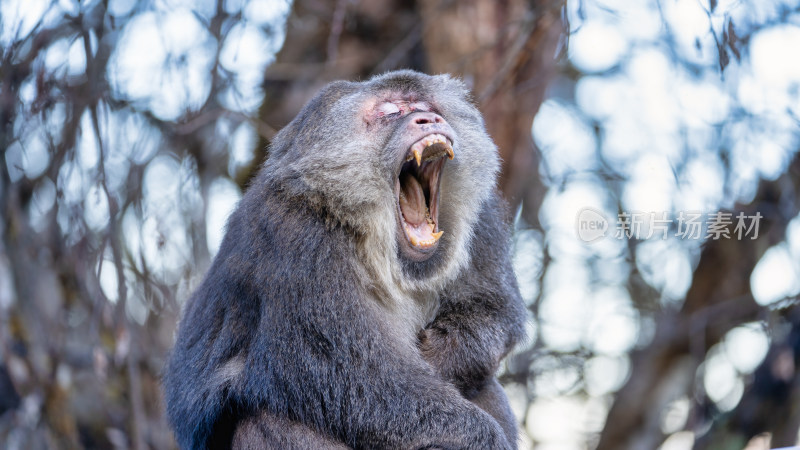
{"points": [[311, 320]]}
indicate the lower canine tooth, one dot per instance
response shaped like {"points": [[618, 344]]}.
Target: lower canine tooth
{"points": [[437, 235]]}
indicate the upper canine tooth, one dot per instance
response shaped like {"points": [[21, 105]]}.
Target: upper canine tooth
{"points": [[417, 156], [449, 151]]}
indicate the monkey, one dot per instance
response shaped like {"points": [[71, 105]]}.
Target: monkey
{"points": [[363, 294]]}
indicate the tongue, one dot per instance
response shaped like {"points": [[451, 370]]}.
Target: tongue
{"points": [[412, 200]]}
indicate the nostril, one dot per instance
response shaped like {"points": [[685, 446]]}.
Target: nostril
{"points": [[426, 119]]}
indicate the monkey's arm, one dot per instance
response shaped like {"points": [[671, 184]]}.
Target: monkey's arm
{"points": [[482, 314], [480, 319]]}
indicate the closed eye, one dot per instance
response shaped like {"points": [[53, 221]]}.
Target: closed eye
{"points": [[419, 106], [388, 109]]}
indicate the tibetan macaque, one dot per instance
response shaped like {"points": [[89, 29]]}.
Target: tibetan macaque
{"points": [[363, 295]]}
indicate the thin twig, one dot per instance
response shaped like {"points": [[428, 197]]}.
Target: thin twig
{"points": [[337, 25], [401, 49], [512, 56]]}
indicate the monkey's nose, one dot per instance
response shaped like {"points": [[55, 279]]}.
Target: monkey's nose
{"points": [[423, 118]]}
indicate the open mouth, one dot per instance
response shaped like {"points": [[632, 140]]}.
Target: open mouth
{"points": [[418, 197]]}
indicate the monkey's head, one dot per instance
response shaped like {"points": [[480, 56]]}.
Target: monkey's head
{"points": [[403, 161]]}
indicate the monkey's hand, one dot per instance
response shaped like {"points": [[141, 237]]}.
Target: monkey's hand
{"points": [[464, 352]]}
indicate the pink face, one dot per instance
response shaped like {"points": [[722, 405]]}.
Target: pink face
{"points": [[394, 106]]}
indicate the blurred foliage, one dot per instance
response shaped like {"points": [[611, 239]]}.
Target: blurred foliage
{"points": [[129, 129], [120, 123]]}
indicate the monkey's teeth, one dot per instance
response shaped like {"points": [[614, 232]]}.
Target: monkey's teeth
{"points": [[423, 243], [418, 149], [428, 242]]}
